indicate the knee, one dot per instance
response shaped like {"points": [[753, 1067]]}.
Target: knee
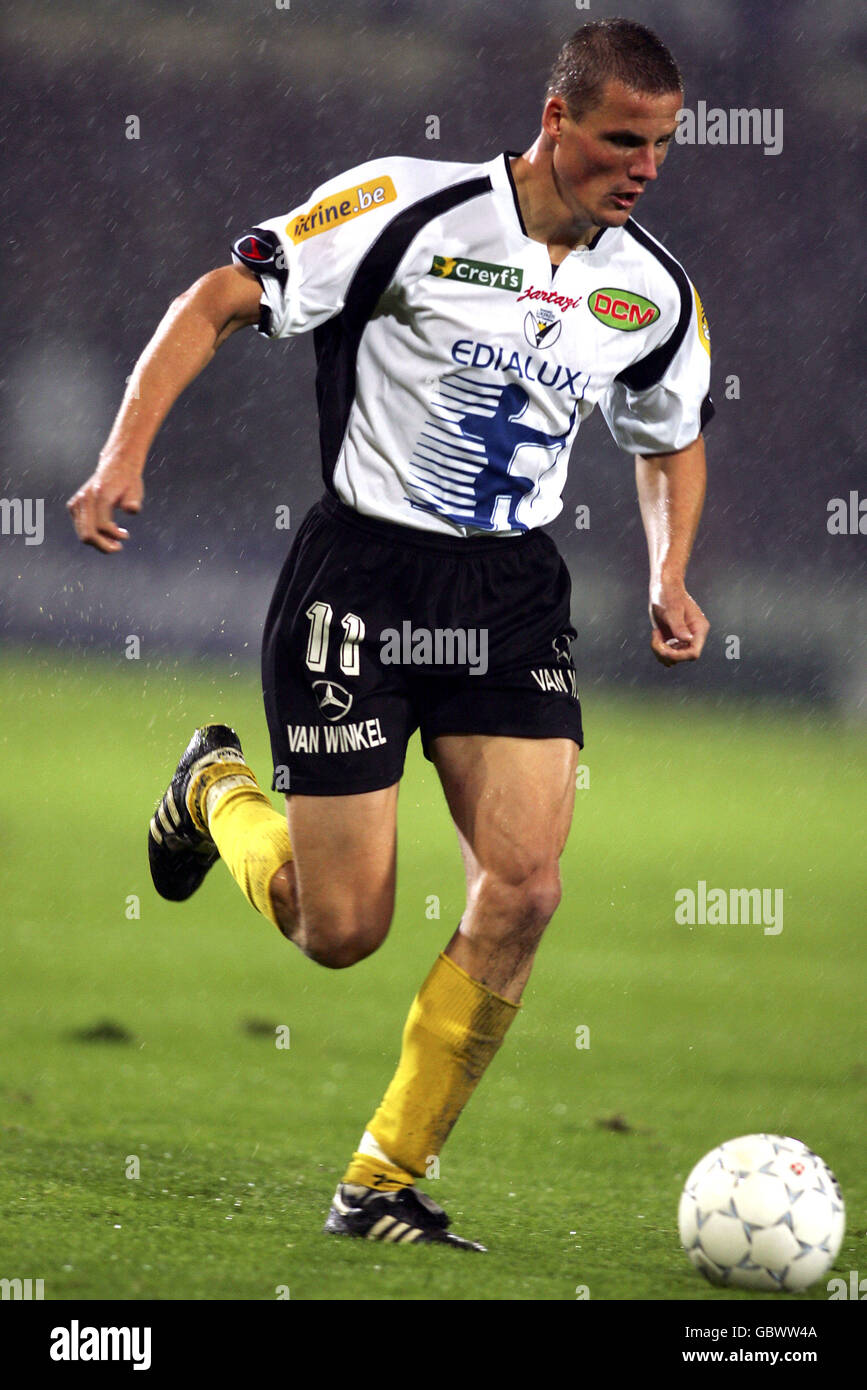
{"points": [[334, 934], [338, 940], [525, 899], [544, 894]]}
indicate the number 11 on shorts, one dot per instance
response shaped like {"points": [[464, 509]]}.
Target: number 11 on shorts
{"points": [[320, 615]]}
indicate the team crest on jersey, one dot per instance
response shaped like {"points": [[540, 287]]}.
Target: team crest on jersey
{"points": [[542, 328], [334, 700], [622, 309]]}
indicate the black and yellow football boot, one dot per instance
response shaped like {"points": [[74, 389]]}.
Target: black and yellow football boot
{"points": [[180, 850]]}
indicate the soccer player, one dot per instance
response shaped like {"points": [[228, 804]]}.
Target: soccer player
{"points": [[466, 319]]}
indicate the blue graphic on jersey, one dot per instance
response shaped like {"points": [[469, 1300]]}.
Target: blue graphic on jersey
{"points": [[465, 463]]}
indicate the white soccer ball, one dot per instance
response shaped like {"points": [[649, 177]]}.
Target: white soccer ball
{"points": [[762, 1212]]}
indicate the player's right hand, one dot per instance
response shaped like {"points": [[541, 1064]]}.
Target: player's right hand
{"points": [[679, 626], [114, 484]]}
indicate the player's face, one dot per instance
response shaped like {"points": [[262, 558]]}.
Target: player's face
{"points": [[604, 161]]}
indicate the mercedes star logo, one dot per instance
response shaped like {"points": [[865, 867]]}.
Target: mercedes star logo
{"points": [[333, 700]]}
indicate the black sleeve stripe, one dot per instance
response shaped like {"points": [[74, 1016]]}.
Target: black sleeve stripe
{"points": [[650, 370], [708, 411], [336, 342]]}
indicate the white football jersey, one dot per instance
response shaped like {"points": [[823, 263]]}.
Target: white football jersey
{"points": [[454, 363]]}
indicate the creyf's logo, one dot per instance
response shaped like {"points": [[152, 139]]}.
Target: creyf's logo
{"points": [[487, 273]]}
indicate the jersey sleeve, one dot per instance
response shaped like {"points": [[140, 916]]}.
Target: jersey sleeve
{"points": [[661, 403], [305, 260]]}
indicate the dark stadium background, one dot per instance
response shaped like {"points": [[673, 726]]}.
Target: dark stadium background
{"points": [[243, 108]]}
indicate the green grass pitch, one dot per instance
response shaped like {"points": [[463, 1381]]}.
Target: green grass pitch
{"points": [[569, 1160]]}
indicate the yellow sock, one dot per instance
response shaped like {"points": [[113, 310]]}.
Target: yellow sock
{"points": [[253, 838], [455, 1026]]}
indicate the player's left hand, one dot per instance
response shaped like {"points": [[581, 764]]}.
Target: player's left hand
{"points": [[679, 625]]}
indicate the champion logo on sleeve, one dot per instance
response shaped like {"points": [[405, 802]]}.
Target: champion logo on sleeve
{"points": [[261, 252]]}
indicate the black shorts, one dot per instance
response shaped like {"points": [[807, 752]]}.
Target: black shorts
{"points": [[376, 630]]}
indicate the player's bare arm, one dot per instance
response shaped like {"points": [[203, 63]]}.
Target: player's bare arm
{"points": [[671, 489], [197, 323]]}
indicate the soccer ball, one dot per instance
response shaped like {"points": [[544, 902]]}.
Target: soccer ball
{"points": [[762, 1212]]}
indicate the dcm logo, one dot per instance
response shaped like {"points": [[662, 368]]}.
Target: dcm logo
{"points": [[623, 310]]}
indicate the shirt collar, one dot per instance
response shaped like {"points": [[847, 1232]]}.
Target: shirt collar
{"points": [[504, 181]]}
